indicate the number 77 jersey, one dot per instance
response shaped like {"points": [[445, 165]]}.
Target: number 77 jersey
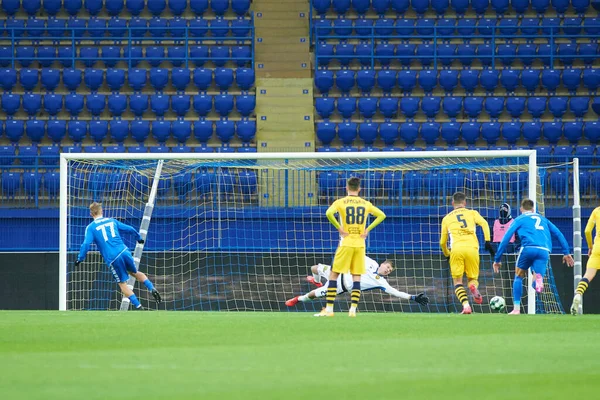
{"points": [[353, 213], [105, 233], [461, 224]]}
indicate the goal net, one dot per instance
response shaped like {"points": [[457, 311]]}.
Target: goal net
{"points": [[240, 232]]}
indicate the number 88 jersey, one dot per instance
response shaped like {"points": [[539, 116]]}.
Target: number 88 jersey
{"points": [[353, 212]]}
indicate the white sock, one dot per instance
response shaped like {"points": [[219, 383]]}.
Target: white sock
{"points": [[304, 297], [352, 308], [329, 308], [517, 307]]}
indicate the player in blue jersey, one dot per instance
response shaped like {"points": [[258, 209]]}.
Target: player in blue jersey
{"points": [[105, 233], [536, 234]]}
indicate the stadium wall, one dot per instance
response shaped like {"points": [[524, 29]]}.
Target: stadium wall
{"points": [[29, 281]]}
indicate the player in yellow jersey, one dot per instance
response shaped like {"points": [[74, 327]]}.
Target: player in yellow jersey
{"points": [[353, 213], [593, 263], [460, 226]]}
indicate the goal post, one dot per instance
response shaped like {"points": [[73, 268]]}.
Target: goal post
{"points": [[240, 231]]}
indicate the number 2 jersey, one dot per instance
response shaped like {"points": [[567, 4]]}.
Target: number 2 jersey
{"points": [[460, 226], [353, 213], [105, 233]]}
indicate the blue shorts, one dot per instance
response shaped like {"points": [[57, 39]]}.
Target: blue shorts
{"points": [[533, 257], [121, 265]]}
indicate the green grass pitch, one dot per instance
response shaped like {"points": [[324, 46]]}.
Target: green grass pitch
{"points": [[228, 355]]}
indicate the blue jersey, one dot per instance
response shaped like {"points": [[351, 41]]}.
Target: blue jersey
{"points": [[535, 231], [105, 233]]}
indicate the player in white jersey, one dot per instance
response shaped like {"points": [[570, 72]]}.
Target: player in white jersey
{"points": [[374, 278]]}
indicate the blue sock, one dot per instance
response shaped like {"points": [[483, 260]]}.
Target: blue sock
{"points": [[134, 300], [149, 285], [517, 291]]}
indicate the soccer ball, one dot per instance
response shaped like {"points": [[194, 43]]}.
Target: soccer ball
{"points": [[497, 303]]}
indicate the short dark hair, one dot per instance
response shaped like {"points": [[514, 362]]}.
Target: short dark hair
{"points": [[459, 197], [388, 261], [527, 204], [353, 183]]}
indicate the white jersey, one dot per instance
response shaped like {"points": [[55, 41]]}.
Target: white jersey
{"points": [[368, 281]]}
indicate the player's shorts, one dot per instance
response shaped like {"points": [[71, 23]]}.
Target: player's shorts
{"points": [[349, 259], [594, 260], [464, 260], [535, 258], [121, 266]]}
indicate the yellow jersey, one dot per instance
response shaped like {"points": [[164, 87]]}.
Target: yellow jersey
{"points": [[589, 228], [353, 212], [461, 224]]}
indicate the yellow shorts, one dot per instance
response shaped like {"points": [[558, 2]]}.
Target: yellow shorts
{"points": [[349, 259], [464, 260], [594, 260]]}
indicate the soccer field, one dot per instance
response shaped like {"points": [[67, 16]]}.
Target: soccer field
{"points": [[229, 355]]}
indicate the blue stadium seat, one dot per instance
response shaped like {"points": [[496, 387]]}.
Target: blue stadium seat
{"points": [[98, 130], [509, 79], [511, 132], [591, 79], [219, 55], [342, 27], [245, 104], [35, 130], [46, 55], [367, 132], [203, 130], [484, 54], [507, 53], [446, 26], [158, 27], [11, 103], [346, 106], [202, 78], [223, 104], [56, 27], [405, 26], [527, 53], [96, 103], [16, 27], [347, 132], [530, 79], [199, 55], [140, 130], [203, 104], [536, 106], [465, 53], [386, 80], [490, 131], [138, 104], [450, 132], [425, 26], [384, 53], [365, 80], [29, 79], [489, 79], [552, 131], [198, 6], [469, 80], [246, 130], [96, 28], [384, 26], [573, 131], [159, 104], [540, 6], [66, 54], [119, 130], [156, 7], [74, 104], [532, 132], [344, 80], [182, 130], [223, 78], [180, 104], [591, 25], [117, 104], [515, 106], [584, 153], [5, 55], [453, 106], [550, 79], [494, 106], [409, 106], [94, 7], [242, 55], [407, 80], [56, 130], [449, 80], [115, 79], [140, 148], [571, 78], [244, 78], [32, 183], [155, 55], [473, 106], [32, 104], [446, 54], [176, 55], [198, 27], [225, 130], [53, 103], [180, 149], [326, 132], [111, 55], [159, 78], [558, 106], [389, 132], [430, 131], [93, 78], [240, 27], [567, 53], [409, 132], [470, 132], [588, 52], [425, 54], [325, 106], [89, 56], [427, 80], [219, 7], [591, 131], [324, 81], [50, 78], [406, 51], [49, 155], [367, 106], [28, 154], [219, 27], [77, 130], [117, 27], [562, 154], [177, 26], [388, 106]]}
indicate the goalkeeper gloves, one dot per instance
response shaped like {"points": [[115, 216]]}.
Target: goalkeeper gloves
{"points": [[490, 249], [77, 263], [421, 299], [141, 241]]}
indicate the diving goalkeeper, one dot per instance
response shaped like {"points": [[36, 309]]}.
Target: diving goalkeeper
{"points": [[374, 278]]}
